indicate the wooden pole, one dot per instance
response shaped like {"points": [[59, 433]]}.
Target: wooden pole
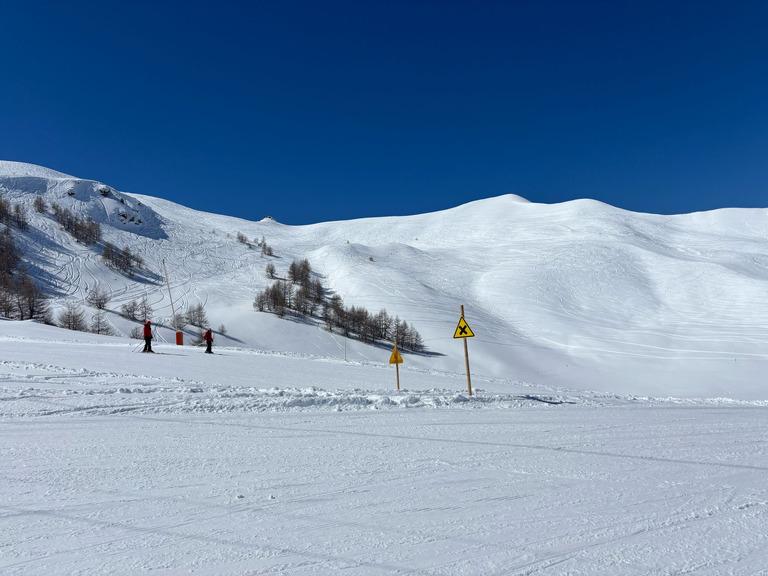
{"points": [[397, 366], [466, 358]]}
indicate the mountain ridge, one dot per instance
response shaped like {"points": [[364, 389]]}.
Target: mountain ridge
{"points": [[578, 294]]}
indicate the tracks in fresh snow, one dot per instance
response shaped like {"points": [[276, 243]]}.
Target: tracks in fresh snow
{"points": [[44, 390]]}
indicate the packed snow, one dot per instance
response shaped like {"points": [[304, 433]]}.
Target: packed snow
{"points": [[255, 462], [617, 424]]}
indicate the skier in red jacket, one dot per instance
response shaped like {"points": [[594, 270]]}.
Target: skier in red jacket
{"points": [[147, 336], [208, 337]]}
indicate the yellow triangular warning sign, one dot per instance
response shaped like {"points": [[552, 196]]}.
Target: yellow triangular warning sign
{"points": [[395, 358], [463, 330]]}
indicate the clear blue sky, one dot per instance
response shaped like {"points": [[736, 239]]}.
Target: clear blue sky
{"points": [[311, 111]]}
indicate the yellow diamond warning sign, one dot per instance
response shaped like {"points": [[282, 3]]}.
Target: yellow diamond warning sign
{"points": [[395, 358], [463, 330]]}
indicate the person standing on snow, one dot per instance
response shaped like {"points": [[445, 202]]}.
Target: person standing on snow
{"points": [[147, 336], [208, 338]]}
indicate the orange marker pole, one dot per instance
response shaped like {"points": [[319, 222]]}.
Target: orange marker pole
{"points": [[466, 358]]}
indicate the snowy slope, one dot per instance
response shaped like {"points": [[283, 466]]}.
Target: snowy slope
{"points": [[579, 294], [85, 198], [248, 462]]}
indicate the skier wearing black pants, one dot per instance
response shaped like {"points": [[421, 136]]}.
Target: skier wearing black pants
{"points": [[208, 337], [147, 336]]}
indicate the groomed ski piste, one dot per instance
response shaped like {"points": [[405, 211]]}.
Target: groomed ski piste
{"points": [[617, 424], [254, 462]]}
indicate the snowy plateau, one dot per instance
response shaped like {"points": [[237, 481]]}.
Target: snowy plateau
{"points": [[618, 423]]}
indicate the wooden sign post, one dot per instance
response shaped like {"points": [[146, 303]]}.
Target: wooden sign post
{"points": [[396, 359], [464, 331]]}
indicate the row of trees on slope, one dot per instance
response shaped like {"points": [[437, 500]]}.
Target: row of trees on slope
{"points": [[87, 231], [14, 215], [20, 297], [73, 316], [266, 249], [124, 260], [304, 295], [83, 230]]}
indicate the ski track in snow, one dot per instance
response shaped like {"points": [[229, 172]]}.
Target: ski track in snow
{"points": [[259, 462]]}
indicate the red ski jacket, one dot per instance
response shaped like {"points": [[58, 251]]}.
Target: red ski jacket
{"points": [[208, 336], [147, 331]]}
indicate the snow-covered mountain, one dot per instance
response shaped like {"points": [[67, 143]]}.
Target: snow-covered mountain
{"points": [[578, 295]]}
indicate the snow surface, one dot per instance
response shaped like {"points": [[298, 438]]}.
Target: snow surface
{"points": [[617, 425], [254, 462], [21, 169]]}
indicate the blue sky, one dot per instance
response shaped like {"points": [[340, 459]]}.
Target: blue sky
{"points": [[312, 111]]}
